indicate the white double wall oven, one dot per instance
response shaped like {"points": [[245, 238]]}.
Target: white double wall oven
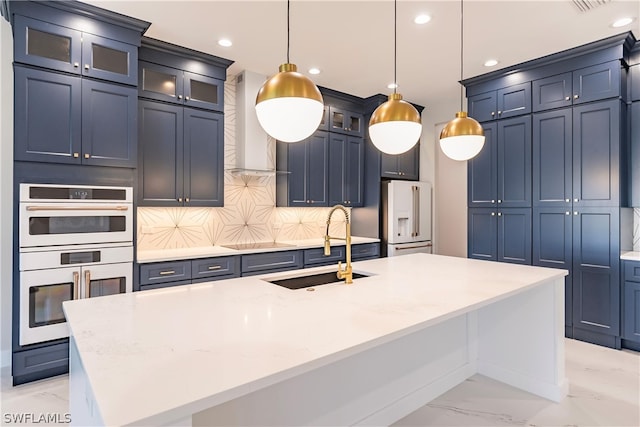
{"points": [[75, 242]]}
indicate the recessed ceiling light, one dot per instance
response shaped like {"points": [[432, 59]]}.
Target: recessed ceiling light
{"points": [[422, 19], [392, 86], [314, 70], [490, 63], [225, 42], [622, 22]]}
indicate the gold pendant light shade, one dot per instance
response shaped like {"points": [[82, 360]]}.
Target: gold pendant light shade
{"points": [[289, 105], [462, 138], [395, 126]]}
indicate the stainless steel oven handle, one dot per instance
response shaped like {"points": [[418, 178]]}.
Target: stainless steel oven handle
{"points": [[76, 284], [77, 208], [87, 283]]}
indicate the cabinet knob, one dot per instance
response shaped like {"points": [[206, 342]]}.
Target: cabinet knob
{"points": [[575, 213], [76, 65], [179, 96], [499, 213], [499, 112], [567, 200], [575, 200], [180, 199], [567, 98], [186, 200], [76, 155], [186, 98], [499, 201], [493, 113], [86, 67], [493, 200], [567, 213], [87, 155], [493, 214], [576, 96]]}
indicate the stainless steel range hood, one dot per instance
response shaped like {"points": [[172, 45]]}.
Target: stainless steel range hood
{"points": [[252, 142]]}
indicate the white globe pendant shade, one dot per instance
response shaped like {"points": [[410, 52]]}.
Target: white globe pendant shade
{"points": [[462, 138], [395, 126], [289, 105]]}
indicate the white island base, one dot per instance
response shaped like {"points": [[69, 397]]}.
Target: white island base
{"points": [[388, 344]]}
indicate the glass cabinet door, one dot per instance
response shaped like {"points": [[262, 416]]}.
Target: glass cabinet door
{"points": [[109, 59], [346, 122], [107, 279], [160, 83], [203, 92], [47, 45]]}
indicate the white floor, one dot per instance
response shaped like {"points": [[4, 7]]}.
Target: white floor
{"points": [[604, 391]]}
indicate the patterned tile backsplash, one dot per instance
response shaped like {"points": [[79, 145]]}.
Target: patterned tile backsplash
{"points": [[249, 213]]}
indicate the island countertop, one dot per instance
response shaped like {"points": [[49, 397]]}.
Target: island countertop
{"points": [[182, 350]]}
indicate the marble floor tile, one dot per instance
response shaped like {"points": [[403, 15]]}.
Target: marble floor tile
{"points": [[604, 391]]}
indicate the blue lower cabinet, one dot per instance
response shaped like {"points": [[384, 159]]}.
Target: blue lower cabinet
{"points": [[271, 262], [596, 275], [315, 257], [631, 305], [364, 251], [42, 362], [514, 235]]}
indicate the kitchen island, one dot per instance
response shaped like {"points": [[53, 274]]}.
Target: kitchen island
{"points": [[248, 352]]}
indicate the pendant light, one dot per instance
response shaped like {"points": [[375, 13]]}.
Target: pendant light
{"points": [[395, 125], [463, 137], [289, 105]]}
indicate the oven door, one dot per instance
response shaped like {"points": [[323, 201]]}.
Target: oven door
{"points": [[106, 279], [47, 224], [42, 293]]}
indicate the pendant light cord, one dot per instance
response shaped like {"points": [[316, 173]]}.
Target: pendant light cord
{"points": [[288, 31], [461, 48], [395, 46]]}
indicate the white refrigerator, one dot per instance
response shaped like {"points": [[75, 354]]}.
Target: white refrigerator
{"points": [[406, 217]]}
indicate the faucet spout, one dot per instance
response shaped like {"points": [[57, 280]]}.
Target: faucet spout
{"points": [[347, 272]]}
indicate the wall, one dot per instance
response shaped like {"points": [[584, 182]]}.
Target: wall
{"points": [[249, 213], [6, 195]]}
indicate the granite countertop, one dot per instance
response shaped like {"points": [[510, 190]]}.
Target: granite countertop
{"points": [[630, 255], [156, 255], [178, 350]]}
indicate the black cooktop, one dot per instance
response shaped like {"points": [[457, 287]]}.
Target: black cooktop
{"points": [[257, 245]]}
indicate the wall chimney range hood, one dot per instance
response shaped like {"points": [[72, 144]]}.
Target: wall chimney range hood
{"points": [[252, 142]]}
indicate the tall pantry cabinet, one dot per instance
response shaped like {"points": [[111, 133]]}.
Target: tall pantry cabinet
{"points": [[549, 186]]}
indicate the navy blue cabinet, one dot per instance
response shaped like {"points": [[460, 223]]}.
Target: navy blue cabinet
{"points": [[552, 158], [401, 166], [634, 78], [65, 49], [553, 247], [307, 164], [166, 274], [631, 303], [346, 170], [65, 119], [635, 155], [346, 122], [587, 84], [500, 234], [500, 104], [181, 156], [186, 88], [501, 174], [596, 274]]}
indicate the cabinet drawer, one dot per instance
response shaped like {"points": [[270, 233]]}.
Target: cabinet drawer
{"points": [[162, 272], [316, 256], [365, 250], [271, 261], [213, 267], [164, 285], [632, 271]]}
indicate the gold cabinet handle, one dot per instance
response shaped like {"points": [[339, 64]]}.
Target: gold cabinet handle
{"points": [[76, 283], [76, 155], [215, 267], [87, 155], [166, 273], [77, 208]]}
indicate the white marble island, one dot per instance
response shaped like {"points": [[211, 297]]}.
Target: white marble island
{"points": [[247, 352]]}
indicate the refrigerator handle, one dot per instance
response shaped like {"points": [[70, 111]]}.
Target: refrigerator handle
{"points": [[417, 216]]}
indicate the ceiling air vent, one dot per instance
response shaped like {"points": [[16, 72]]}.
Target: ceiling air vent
{"points": [[587, 5]]}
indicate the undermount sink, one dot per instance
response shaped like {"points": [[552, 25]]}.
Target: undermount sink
{"points": [[312, 280]]}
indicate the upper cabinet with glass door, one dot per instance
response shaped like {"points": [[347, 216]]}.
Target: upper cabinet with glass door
{"points": [[347, 122], [58, 47], [182, 76]]}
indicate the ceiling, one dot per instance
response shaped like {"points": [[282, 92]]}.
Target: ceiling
{"points": [[352, 41]]}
